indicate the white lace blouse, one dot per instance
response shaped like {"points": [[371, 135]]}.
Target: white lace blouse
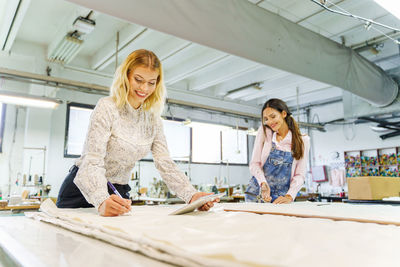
{"points": [[116, 139]]}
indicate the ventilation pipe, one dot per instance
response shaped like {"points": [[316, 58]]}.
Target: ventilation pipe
{"points": [[243, 29]]}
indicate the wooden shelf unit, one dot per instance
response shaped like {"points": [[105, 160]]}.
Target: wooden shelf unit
{"points": [[373, 162]]}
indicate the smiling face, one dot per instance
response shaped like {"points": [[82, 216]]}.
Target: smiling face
{"points": [[143, 82], [274, 119]]}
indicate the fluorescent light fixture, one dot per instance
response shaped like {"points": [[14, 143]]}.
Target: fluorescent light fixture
{"points": [[244, 90], [28, 100], [84, 25], [211, 126], [392, 6], [66, 49]]}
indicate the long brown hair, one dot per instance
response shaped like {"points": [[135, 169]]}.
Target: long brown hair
{"points": [[297, 141]]}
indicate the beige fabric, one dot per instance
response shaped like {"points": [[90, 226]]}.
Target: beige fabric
{"points": [[219, 238], [116, 139], [384, 213]]}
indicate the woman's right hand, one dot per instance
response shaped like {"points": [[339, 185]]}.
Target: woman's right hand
{"points": [[265, 192], [114, 206]]}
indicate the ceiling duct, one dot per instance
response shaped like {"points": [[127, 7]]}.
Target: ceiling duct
{"points": [[243, 29]]}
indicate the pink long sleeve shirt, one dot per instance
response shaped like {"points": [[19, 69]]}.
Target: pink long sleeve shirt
{"points": [[262, 148]]}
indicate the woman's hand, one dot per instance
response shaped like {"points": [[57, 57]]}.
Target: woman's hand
{"points": [[265, 192], [283, 199], [206, 206], [114, 206]]}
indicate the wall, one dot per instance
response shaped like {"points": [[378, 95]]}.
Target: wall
{"points": [[46, 128], [340, 138], [42, 127]]}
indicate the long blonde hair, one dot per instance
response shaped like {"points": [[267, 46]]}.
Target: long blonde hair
{"points": [[120, 87]]}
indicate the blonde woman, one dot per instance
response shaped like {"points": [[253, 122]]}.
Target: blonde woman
{"points": [[123, 128]]}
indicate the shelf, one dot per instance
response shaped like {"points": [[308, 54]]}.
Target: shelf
{"points": [[378, 166], [379, 162], [389, 165]]}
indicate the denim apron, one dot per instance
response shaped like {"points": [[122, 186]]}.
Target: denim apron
{"points": [[277, 171]]}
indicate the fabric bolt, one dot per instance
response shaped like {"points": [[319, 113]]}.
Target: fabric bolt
{"points": [[116, 139], [219, 238], [262, 148]]}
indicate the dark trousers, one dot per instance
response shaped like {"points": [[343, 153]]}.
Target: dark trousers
{"points": [[70, 196]]}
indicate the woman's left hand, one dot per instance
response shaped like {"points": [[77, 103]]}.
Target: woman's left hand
{"points": [[206, 206], [283, 199]]}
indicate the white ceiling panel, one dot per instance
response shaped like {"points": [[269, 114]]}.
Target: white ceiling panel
{"points": [[97, 39], [44, 19], [222, 71]]}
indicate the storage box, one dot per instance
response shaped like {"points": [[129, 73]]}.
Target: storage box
{"points": [[373, 187], [3, 203]]}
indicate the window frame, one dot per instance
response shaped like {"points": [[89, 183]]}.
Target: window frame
{"points": [[207, 163], [247, 156], [221, 162], [74, 104], [190, 161], [2, 125], [190, 144]]}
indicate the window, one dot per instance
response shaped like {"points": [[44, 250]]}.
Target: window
{"points": [[218, 144], [78, 117], [178, 140], [206, 144], [234, 147], [2, 122], [202, 142]]}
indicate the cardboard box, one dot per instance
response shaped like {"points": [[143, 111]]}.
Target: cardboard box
{"points": [[373, 187]]}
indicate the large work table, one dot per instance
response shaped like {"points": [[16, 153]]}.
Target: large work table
{"points": [[151, 237]]}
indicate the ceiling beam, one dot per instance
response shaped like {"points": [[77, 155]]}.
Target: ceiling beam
{"points": [[232, 68], [275, 86], [174, 95], [305, 87], [106, 54], [242, 93], [193, 65], [312, 104], [201, 101], [29, 77], [240, 28], [321, 94], [12, 14], [262, 75]]}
